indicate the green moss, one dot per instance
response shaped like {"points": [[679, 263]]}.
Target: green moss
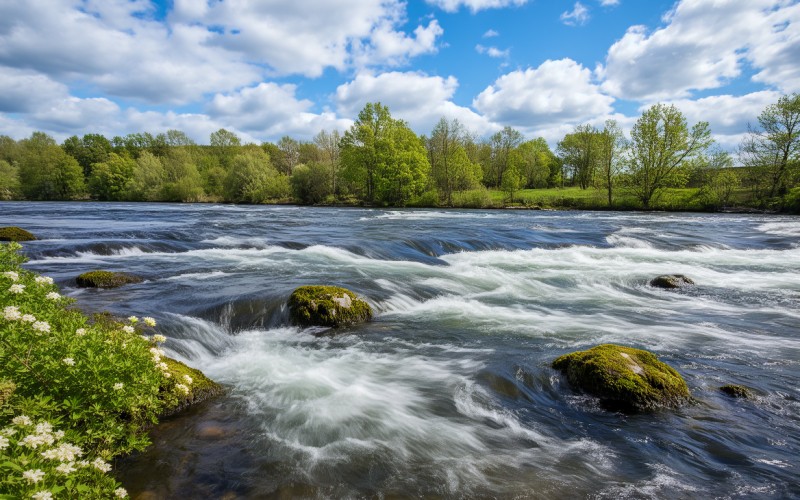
{"points": [[624, 378], [200, 389], [327, 306], [671, 281], [736, 391], [13, 233], [105, 279]]}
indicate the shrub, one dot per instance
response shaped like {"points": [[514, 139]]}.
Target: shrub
{"points": [[76, 393]]}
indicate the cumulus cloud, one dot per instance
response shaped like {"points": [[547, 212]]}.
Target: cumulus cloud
{"points": [[415, 97], [491, 34], [609, 3], [23, 91], [492, 51], [475, 5], [703, 46], [578, 16], [557, 92]]}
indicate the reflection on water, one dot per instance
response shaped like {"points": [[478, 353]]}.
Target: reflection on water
{"points": [[448, 392]]}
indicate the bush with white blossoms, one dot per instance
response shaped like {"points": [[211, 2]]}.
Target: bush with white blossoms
{"points": [[103, 383]]}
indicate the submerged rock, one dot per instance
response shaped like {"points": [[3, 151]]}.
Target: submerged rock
{"points": [[624, 378], [13, 233], [671, 281], [105, 279], [736, 391], [200, 388], [327, 306]]}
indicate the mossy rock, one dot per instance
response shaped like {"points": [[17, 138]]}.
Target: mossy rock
{"points": [[671, 281], [201, 388], [105, 279], [13, 233], [736, 391], [624, 378], [331, 306]]}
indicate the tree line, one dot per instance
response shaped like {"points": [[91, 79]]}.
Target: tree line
{"points": [[381, 161]]}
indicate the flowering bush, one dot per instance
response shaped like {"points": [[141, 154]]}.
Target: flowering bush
{"points": [[103, 383]]}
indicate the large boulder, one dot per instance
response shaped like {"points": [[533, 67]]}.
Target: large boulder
{"points": [[105, 279], [13, 233], [327, 306], [624, 378], [671, 281]]}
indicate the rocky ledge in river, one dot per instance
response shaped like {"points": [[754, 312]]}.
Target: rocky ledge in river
{"points": [[671, 281], [624, 378], [13, 233], [330, 306], [105, 279]]}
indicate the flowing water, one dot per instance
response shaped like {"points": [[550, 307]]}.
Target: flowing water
{"points": [[449, 391]]}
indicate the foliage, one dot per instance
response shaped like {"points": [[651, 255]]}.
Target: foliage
{"points": [[661, 147], [110, 180], [46, 172], [580, 151], [81, 393], [9, 181], [310, 183]]}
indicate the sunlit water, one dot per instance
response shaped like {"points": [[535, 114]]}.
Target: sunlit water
{"points": [[449, 391]]}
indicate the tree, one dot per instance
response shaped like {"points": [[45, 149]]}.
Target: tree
{"points": [[611, 148], [406, 173], [503, 144], [451, 168], [661, 146], [288, 155], [225, 145], [91, 149], [182, 181], [147, 181], [253, 179], [110, 180], [536, 160], [328, 143], [9, 181], [178, 138], [511, 182], [46, 172], [366, 148], [310, 183], [580, 151], [773, 148]]}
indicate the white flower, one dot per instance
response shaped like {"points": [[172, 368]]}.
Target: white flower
{"points": [[128, 329], [33, 476], [182, 388], [66, 468], [69, 361], [13, 275], [58, 435], [162, 366], [41, 326], [3, 442], [145, 337], [44, 280], [83, 463], [167, 374], [42, 495], [80, 332], [22, 420], [28, 318], [65, 452], [133, 319], [188, 379], [16, 288], [11, 313], [120, 493], [159, 339], [8, 431], [53, 296], [101, 465], [118, 386], [44, 428], [149, 321]]}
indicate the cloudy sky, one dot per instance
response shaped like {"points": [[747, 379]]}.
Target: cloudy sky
{"points": [[269, 68]]}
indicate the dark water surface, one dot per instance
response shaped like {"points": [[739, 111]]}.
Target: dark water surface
{"points": [[449, 393]]}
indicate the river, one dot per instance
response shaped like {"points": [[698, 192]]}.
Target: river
{"points": [[449, 392]]}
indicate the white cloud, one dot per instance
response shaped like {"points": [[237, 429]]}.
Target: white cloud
{"points": [[475, 5], [419, 99], [703, 46], [272, 110], [24, 90], [491, 34], [557, 92], [578, 16], [492, 51], [609, 3], [387, 47]]}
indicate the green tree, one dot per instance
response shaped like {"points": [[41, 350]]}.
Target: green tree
{"points": [[451, 168], [611, 149], [182, 181], [46, 172], [366, 148], [91, 149], [328, 143], [253, 179], [773, 148], [110, 180], [225, 146], [147, 182], [503, 144], [579, 150], [662, 145], [535, 162], [406, 174], [311, 183], [512, 180], [9, 181]]}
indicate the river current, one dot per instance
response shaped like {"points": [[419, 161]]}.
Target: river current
{"points": [[448, 392]]}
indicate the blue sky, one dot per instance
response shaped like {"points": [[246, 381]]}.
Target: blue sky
{"points": [[265, 69]]}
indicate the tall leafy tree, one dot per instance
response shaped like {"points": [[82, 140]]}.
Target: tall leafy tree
{"points": [[225, 145], [611, 146], [451, 168], [580, 151], [90, 149], [773, 147], [503, 146], [366, 149], [9, 181], [46, 172], [147, 181], [536, 160], [662, 145], [329, 145], [110, 180]]}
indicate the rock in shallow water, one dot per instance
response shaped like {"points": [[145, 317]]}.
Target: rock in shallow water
{"points": [[13, 233], [327, 306], [105, 279], [624, 378], [671, 281], [736, 391]]}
